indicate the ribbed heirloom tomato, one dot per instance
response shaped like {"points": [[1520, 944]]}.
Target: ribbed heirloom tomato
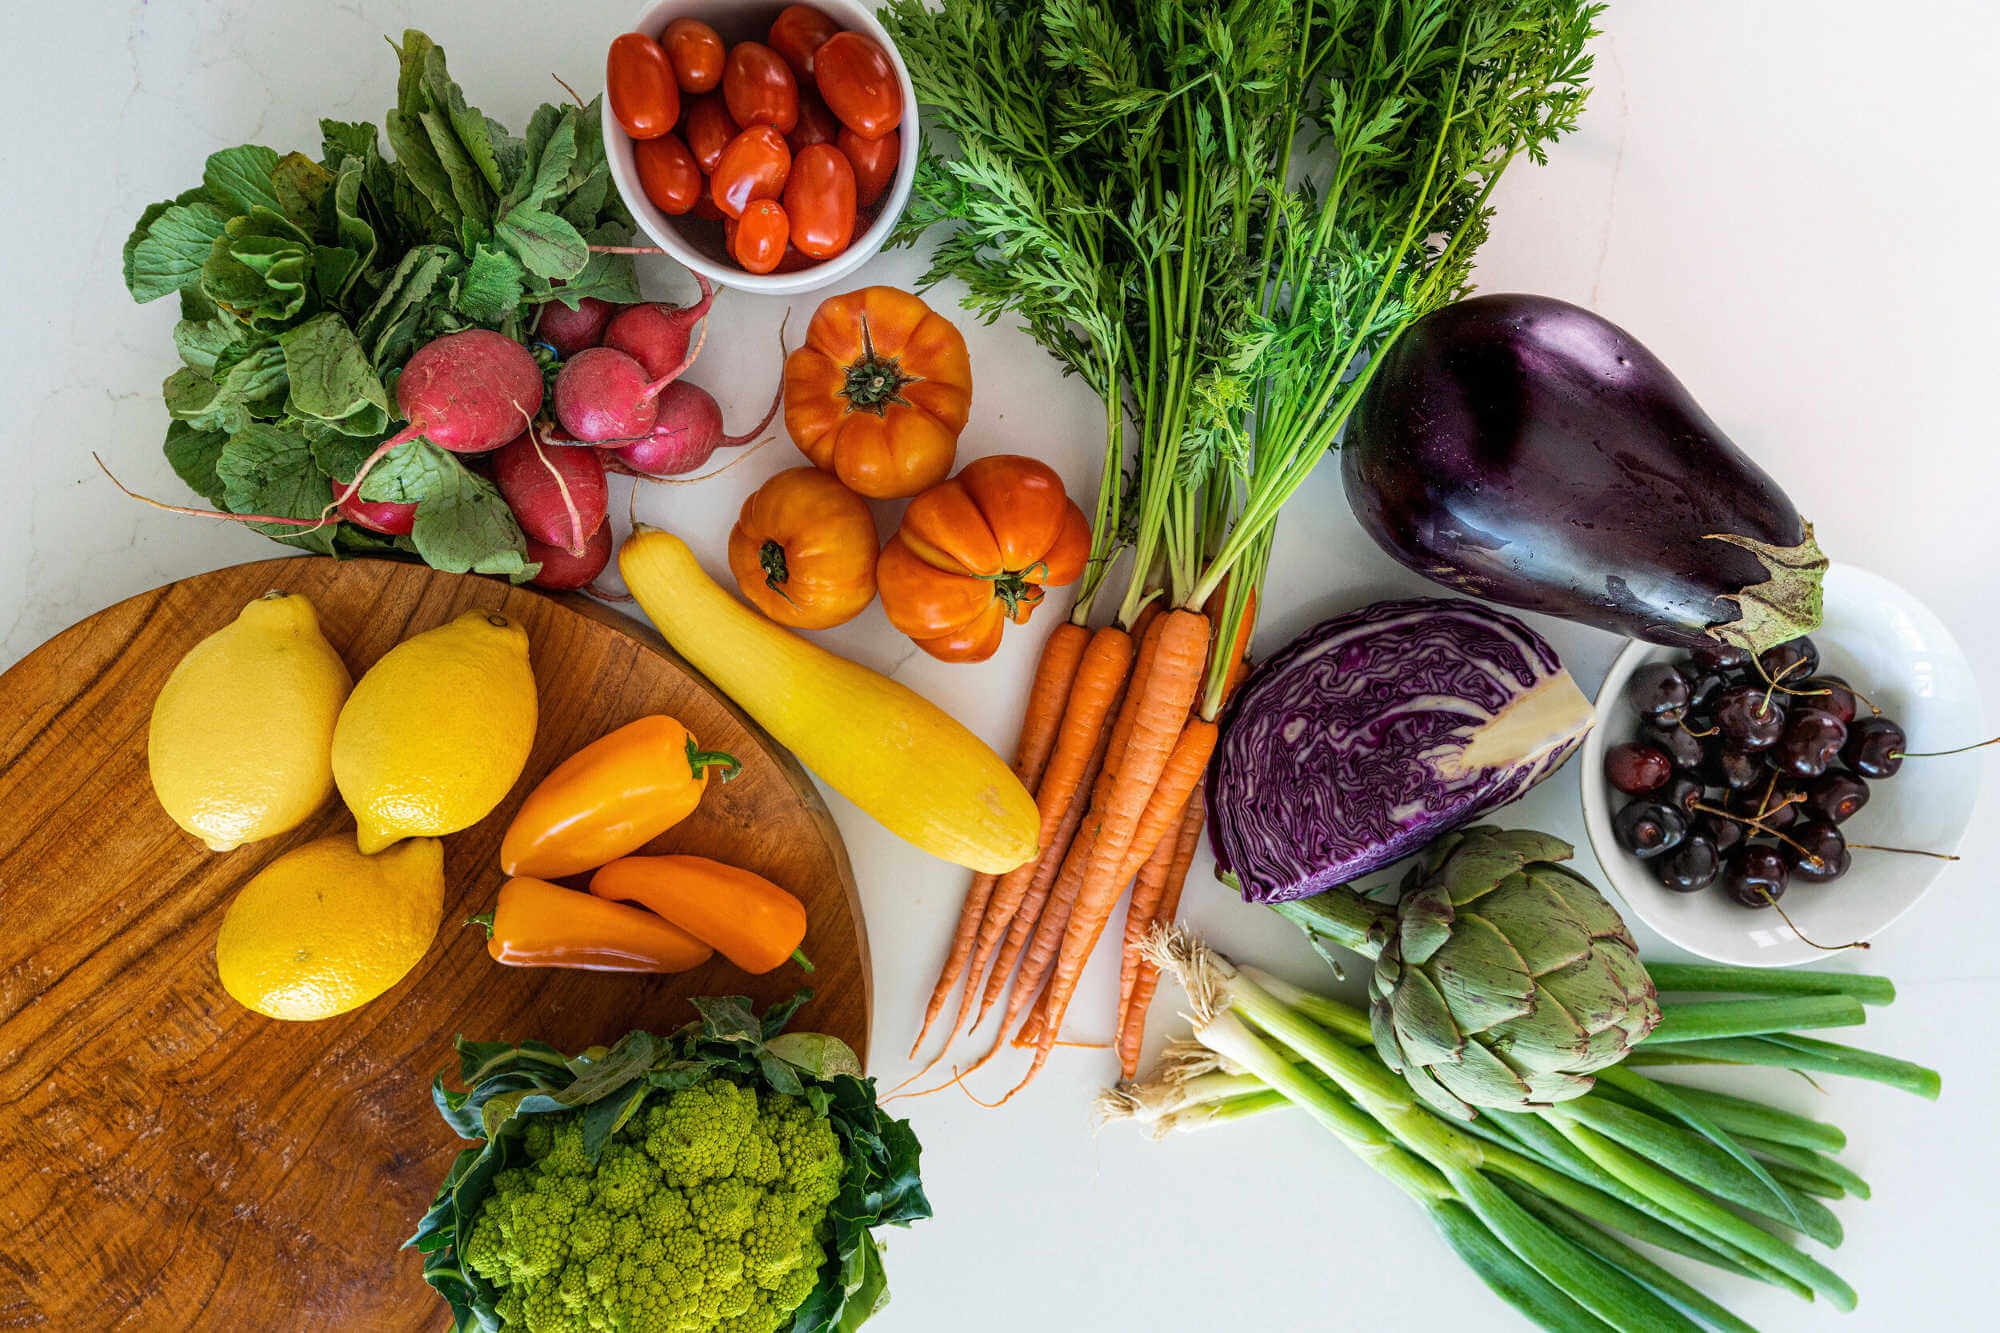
{"points": [[976, 552], [856, 79], [797, 34], [819, 199], [753, 166], [695, 51], [759, 87], [879, 392], [639, 83], [803, 550]]}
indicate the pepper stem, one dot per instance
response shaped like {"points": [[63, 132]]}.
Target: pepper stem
{"points": [[771, 558], [700, 760], [799, 957]]}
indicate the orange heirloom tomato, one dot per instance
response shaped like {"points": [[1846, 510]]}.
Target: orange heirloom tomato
{"points": [[819, 199], [613, 796], [860, 85], [874, 162], [753, 166], [759, 87], [797, 34], [977, 552], [667, 173], [803, 550], [879, 392], [639, 81], [709, 130], [761, 235], [695, 51]]}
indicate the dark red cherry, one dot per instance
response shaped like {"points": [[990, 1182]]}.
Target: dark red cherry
{"points": [[1821, 854], [1833, 797], [1636, 768], [1874, 747], [1755, 875]]}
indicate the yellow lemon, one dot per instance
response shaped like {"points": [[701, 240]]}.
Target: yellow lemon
{"points": [[436, 732], [324, 929], [241, 739]]}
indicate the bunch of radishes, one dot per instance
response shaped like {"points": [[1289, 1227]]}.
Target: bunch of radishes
{"points": [[620, 405]]}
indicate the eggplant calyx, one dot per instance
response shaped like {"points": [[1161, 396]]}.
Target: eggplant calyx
{"points": [[1782, 607]]}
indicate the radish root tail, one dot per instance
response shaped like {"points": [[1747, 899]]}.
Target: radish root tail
{"points": [[162, 506]]}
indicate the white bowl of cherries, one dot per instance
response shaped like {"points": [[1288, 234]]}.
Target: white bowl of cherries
{"points": [[1756, 811]]}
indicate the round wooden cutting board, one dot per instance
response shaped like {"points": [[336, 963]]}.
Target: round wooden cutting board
{"points": [[169, 1159]]}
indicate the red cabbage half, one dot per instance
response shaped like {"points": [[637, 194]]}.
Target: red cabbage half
{"points": [[1374, 732]]}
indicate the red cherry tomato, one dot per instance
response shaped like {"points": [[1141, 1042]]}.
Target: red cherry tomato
{"points": [[816, 123], [797, 35], [858, 82], [819, 200], [761, 235], [793, 261], [753, 166], [668, 173], [695, 51], [709, 130], [759, 87], [874, 162], [640, 83], [705, 209]]}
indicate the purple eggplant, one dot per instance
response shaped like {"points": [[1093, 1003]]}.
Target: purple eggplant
{"points": [[1524, 450]]}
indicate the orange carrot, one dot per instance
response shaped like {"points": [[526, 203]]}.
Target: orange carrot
{"points": [[1185, 765], [1030, 912], [1147, 892], [1054, 676], [1132, 1031], [1158, 720], [1099, 678], [1047, 945]]}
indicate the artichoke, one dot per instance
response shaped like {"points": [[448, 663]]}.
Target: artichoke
{"points": [[1506, 979]]}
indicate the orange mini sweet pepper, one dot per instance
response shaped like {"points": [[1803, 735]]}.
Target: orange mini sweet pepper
{"points": [[613, 796], [538, 924], [745, 917]]}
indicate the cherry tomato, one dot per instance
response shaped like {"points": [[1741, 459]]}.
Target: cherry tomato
{"points": [[793, 261], [753, 166], [798, 34], [667, 173], [705, 209], [761, 235], [858, 82], [874, 162], [759, 87], [640, 83], [709, 130], [816, 123], [819, 200], [695, 51]]}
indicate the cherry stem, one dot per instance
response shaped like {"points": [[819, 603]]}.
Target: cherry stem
{"points": [[1775, 685], [1763, 828], [1698, 735], [1793, 927], [1906, 851], [1939, 754]]}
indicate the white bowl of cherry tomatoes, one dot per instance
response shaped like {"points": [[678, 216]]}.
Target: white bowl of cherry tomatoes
{"points": [[770, 147], [1759, 811]]}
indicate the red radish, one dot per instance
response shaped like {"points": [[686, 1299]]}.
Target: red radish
{"points": [[689, 430], [656, 335], [558, 494], [570, 331], [562, 569], [603, 395], [468, 392], [392, 518]]}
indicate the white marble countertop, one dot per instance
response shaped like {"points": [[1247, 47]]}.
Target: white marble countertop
{"points": [[1787, 201]]}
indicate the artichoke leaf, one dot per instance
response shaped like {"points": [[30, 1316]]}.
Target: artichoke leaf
{"points": [[1548, 1087], [1598, 916], [1424, 922], [1482, 976], [1591, 991], [1436, 1095], [1478, 866], [1381, 1026], [1538, 924], [1485, 1078], [1549, 1038], [1422, 1021]]}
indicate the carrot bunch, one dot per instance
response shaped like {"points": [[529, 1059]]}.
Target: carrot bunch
{"points": [[1114, 745]]}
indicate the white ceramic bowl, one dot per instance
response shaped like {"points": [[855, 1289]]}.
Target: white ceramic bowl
{"points": [[698, 245], [1887, 644]]}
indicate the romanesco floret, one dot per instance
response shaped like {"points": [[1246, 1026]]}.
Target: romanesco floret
{"points": [[705, 1213]]}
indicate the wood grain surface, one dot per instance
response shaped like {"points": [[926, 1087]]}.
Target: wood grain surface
{"points": [[169, 1160]]}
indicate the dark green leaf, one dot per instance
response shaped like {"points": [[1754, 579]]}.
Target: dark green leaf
{"points": [[340, 140], [299, 183], [544, 243], [331, 379], [171, 242], [491, 287], [464, 526], [193, 455], [270, 470]]}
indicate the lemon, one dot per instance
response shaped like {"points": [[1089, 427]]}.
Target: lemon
{"points": [[324, 929], [436, 732], [241, 739]]}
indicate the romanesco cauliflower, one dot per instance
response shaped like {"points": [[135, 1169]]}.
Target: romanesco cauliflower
{"points": [[705, 1213]]}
